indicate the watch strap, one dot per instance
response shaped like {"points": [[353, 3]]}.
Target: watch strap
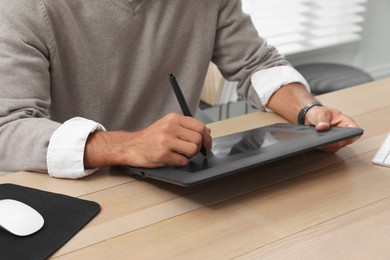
{"points": [[302, 113]]}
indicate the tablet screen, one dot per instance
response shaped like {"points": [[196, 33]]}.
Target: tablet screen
{"points": [[237, 146], [249, 142]]}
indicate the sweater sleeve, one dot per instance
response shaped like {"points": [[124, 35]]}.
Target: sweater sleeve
{"points": [[239, 52], [25, 51]]}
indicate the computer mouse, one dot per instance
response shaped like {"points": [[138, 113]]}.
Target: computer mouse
{"points": [[19, 218]]}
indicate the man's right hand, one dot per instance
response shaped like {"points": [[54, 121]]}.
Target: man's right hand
{"points": [[171, 140]]}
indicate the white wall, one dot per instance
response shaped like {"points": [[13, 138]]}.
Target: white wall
{"points": [[372, 53]]}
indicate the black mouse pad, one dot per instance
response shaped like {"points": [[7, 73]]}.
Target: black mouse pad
{"points": [[64, 216]]}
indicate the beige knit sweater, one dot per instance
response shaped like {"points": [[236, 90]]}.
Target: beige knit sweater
{"points": [[108, 60]]}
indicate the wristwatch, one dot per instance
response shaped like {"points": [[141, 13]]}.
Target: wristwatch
{"points": [[303, 112]]}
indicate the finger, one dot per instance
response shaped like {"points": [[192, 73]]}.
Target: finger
{"points": [[198, 127], [200, 140], [158, 153], [321, 126], [190, 136], [319, 117], [188, 149], [334, 147], [344, 121], [176, 159], [163, 159], [168, 147], [192, 124], [207, 139], [186, 129]]}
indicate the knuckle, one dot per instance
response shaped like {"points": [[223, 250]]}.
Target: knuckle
{"points": [[199, 139], [172, 116], [162, 143], [167, 128], [182, 161], [193, 150], [200, 127], [334, 111], [161, 156]]}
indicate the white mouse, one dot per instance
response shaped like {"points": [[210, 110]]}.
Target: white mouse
{"points": [[19, 218]]}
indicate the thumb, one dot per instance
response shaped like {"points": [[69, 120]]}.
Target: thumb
{"points": [[319, 117]]}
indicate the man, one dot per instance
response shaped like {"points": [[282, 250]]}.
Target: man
{"points": [[84, 83]]}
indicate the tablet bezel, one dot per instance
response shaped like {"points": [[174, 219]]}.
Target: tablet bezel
{"points": [[305, 138]]}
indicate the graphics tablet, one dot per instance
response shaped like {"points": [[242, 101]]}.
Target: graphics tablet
{"points": [[243, 150]]}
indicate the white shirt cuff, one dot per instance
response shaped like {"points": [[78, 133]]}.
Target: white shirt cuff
{"points": [[65, 154], [267, 82]]}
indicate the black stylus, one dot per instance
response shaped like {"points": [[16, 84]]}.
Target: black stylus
{"points": [[183, 104]]}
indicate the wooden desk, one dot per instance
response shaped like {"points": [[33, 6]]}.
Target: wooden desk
{"points": [[309, 206]]}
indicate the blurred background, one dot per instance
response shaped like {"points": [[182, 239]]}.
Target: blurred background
{"points": [[334, 43]]}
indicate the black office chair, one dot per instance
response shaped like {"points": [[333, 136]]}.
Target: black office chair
{"points": [[327, 77]]}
